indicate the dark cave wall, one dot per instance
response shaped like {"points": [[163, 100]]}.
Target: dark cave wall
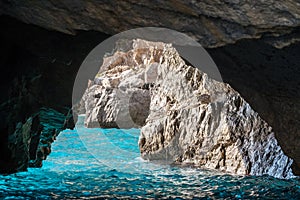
{"points": [[38, 68]]}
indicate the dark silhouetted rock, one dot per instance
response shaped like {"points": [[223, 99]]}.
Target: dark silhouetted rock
{"points": [[213, 23]]}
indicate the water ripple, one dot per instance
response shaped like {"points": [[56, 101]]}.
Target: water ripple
{"points": [[72, 172]]}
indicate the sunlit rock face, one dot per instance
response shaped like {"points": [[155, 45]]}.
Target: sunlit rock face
{"points": [[186, 117], [119, 95], [213, 23], [196, 120]]}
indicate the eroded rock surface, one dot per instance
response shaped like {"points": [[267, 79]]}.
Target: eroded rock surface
{"points": [[213, 23], [119, 95], [192, 118], [31, 141], [268, 79]]}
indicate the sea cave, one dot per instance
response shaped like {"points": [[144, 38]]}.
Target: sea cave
{"points": [[146, 121]]}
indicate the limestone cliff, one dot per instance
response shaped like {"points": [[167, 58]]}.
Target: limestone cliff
{"points": [[192, 119]]}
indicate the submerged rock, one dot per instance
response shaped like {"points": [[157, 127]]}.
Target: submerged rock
{"points": [[191, 118]]}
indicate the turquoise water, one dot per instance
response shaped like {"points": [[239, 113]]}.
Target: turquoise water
{"points": [[97, 163]]}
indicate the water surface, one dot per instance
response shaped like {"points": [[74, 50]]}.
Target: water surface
{"points": [[97, 163]]}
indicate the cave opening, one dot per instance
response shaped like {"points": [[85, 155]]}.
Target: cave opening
{"points": [[38, 68], [268, 78]]}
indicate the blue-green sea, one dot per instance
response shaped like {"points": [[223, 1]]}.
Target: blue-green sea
{"points": [[105, 163]]}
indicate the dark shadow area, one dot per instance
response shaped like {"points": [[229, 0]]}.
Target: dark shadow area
{"points": [[37, 69]]}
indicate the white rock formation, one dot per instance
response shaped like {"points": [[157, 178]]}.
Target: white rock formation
{"points": [[186, 117]]}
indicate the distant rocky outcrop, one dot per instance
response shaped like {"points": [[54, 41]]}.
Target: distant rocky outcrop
{"points": [[186, 117], [213, 23], [119, 96]]}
